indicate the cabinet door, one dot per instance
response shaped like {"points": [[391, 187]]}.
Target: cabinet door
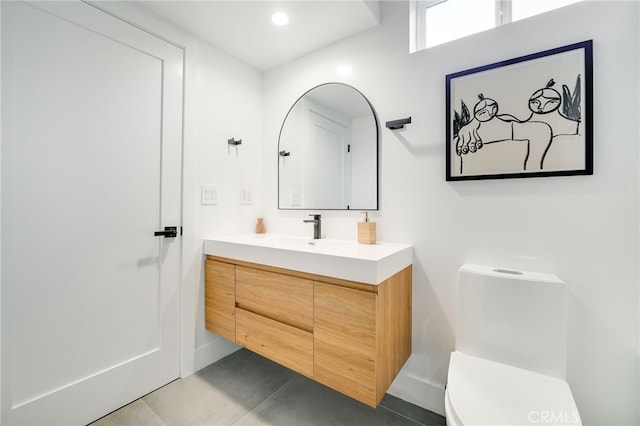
{"points": [[345, 341], [220, 299]]}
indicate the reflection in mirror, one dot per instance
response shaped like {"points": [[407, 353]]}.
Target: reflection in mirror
{"points": [[328, 151]]}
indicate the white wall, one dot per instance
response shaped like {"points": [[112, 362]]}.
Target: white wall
{"points": [[0, 235], [229, 105], [584, 229]]}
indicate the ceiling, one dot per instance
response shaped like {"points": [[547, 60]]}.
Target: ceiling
{"points": [[244, 29]]}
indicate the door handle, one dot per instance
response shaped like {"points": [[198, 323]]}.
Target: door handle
{"points": [[169, 232]]}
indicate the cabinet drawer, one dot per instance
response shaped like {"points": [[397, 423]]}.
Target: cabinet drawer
{"points": [[280, 297], [220, 299], [279, 342]]}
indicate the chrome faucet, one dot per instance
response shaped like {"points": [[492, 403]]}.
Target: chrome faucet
{"points": [[317, 225]]}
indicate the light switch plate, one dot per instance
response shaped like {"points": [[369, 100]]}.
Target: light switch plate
{"points": [[209, 195], [246, 196]]}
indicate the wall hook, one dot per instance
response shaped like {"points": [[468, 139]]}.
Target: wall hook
{"points": [[398, 124], [233, 142], [284, 153]]}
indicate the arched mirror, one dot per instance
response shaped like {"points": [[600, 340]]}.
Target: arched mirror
{"points": [[328, 151]]}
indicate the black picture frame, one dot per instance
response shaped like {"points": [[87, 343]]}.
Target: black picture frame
{"points": [[529, 116]]}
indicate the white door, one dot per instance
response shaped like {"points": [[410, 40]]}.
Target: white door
{"points": [[91, 168], [326, 174]]}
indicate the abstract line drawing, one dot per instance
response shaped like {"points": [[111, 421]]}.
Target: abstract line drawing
{"points": [[531, 117]]}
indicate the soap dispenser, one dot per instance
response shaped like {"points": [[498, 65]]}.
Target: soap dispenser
{"points": [[366, 231]]}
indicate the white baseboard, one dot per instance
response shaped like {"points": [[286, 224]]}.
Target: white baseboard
{"points": [[418, 391], [213, 351]]}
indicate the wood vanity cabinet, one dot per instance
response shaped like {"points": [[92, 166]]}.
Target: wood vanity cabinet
{"points": [[350, 336]]}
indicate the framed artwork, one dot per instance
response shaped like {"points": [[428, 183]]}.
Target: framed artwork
{"points": [[529, 116]]}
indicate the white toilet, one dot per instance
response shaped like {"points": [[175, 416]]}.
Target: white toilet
{"points": [[509, 366]]}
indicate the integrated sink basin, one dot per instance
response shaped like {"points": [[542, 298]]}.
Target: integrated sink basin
{"points": [[344, 259]]}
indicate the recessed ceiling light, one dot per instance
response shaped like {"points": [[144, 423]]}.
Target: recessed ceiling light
{"points": [[280, 18], [344, 70]]}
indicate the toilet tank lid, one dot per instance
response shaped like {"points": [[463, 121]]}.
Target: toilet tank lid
{"points": [[484, 392], [502, 272]]}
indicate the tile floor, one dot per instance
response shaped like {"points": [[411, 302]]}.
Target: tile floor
{"points": [[247, 389]]}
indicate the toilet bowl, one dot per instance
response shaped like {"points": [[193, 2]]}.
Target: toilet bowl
{"points": [[509, 366]]}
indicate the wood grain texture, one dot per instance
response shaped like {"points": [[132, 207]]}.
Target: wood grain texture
{"points": [[280, 297], [352, 337], [279, 342], [304, 275], [345, 341], [393, 328], [220, 299], [367, 232]]}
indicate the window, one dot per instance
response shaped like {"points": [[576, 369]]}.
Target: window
{"points": [[440, 21]]}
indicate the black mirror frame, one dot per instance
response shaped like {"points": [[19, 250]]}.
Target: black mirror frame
{"points": [[378, 162]]}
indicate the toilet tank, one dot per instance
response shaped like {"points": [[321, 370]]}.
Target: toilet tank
{"points": [[513, 317]]}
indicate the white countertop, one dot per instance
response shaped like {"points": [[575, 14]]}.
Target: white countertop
{"points": [[344, 259]]}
